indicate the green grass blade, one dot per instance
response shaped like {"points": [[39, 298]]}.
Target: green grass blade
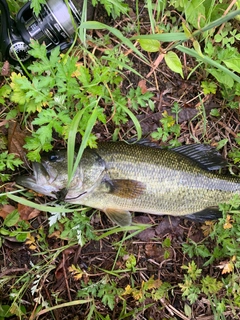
{"points": [[37, 206], [71, 141], [134, 120], [217, 22], [72, 137], [117, 33], [207, 60], [135, 228], [90, 125], [82, 31], [63, 305], [150, 15], [164, 37], [172, 37]]}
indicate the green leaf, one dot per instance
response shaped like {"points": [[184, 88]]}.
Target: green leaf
{"points": [[211, 285], [173, 62], [113, 7], [187, 31], [188, 311], [215, 112], [195, 13], [222, 143], [38, 51], [84, 76], [36, 5], [222, 77], [21, 237], [208, 87], [11, 219], [149, 45], [233, 63], [208, 60], [5, 312]]}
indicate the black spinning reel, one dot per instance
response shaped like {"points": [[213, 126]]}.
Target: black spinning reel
{"points": [[55, 26]]}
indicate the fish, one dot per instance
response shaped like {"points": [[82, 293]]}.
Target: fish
{"points": [[119, 178]]}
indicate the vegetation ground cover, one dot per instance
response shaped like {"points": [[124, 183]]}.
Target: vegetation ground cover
{"points": [[166, 70]]}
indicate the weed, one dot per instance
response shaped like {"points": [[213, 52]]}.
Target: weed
{"points": [[170, 129], [61, 87]]}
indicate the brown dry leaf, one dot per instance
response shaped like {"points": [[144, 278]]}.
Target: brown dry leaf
{"points": [[5, 210], [146, 235], [228, 223], [16, 140], [228, 267], [77, 272], [5, 69], [63, 264], [55, 234], [208, 228], [31, 242], [27, 213], [142, 86], [169, 225]]}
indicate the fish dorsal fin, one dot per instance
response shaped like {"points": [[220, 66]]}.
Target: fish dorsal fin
{"points": [[121, 217], [206, 156], [124, 188]]}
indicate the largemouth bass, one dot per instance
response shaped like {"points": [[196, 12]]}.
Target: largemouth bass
{"points": [[118, 178]]}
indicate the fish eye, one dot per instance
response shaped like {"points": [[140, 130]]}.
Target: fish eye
{"points": [[53, 157]]}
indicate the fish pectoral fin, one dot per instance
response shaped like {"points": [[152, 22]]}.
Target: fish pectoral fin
{"points": [[120, 217], [125, 188], [211, 213]]}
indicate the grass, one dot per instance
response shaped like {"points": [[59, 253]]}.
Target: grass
{"points": [[161, 60]]}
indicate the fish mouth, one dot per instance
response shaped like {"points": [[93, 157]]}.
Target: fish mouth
{"points": [[30, 181], [39, 181], [73, 198]]}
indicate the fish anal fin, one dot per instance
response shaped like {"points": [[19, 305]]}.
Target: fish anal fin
{"points": [[125, 188], [121, 217], [211, 213]]}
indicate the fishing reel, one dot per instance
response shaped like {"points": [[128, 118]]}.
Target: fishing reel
{"points": [[55, 26]]}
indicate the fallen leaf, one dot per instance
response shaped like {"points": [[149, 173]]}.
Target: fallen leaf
{"points": [[27, 213], [16, 140], [77, 272], [228, 224], [31, 242], [208, 228], [169, 225], [5, 210], [55, 234], [5, 69], [228, 267], [128, 290], [63, 264], [142, 86], [146, 235]]}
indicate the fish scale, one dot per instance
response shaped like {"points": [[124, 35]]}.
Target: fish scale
{"points": [[118, 177], [175, 185]]}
